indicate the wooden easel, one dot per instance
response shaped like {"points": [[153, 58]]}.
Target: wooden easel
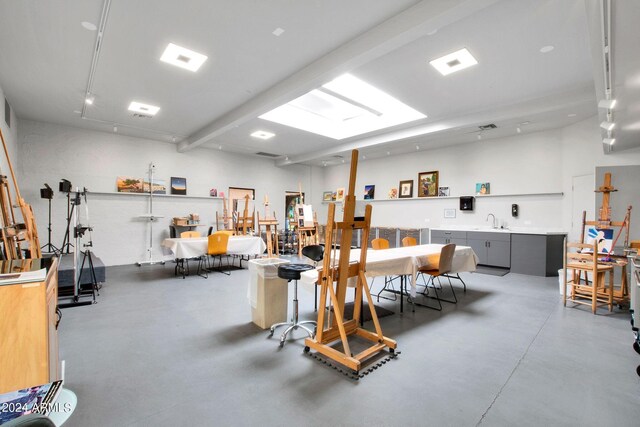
{"points": [[268, 223], [244, 222], [224, 221], [620, 295], [338, 328], [14, 234], [306, 235]]}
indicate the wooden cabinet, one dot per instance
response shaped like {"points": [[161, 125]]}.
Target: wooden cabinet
{"points": [[492, 248], [28, 335]]}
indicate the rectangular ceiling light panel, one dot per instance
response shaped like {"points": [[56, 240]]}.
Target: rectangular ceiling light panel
{"points": [[453, 62], [183, 57], [342, 108], [139, 107]]}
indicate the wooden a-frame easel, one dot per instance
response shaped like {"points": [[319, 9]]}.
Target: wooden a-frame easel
{"points": [[338, 328], [306, 235]]}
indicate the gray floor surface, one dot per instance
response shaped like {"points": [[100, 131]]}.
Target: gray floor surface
{"points": [[162, 351]]}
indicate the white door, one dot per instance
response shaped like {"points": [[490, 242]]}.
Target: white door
{"points": [[583, 198]]}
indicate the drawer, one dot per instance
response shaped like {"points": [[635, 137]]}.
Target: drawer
{"points": [[448, 234], [487, 235]]}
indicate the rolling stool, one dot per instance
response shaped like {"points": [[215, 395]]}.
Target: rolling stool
{"points": [[292, 272], [315, 253]]}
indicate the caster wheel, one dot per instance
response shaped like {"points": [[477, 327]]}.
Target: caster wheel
{"points": [[306, 349], [281, 344]]}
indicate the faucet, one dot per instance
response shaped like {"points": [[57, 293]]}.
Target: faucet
{"points": [[494, 220]]}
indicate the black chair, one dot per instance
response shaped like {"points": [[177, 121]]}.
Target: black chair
{"points": [[173, 233], [292, 272], [315, 253], [210, 232]]}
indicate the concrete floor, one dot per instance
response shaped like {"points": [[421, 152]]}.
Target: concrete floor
{"points": [[162, 351]]}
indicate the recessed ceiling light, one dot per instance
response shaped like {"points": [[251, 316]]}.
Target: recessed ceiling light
{"points": [[146, 109], [417, 147], [278, 32], [388, 153], [115, 128], [456, 61], [607, 125], [546, 49], [607, 104], [571, 115], [183, 57], [609, 141], [89, 26], [518, 130], [263, 134], [342, 108]]}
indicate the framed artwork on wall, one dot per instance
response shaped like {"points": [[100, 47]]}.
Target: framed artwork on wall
{"points": [[428, 184], [483, 188], [178, 186], [406, 189], [327, 196], [340, 194], [126, 184], [369, 192], [443, 191]]}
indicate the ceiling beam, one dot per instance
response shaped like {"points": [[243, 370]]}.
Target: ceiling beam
{"points": [[407, 26]]}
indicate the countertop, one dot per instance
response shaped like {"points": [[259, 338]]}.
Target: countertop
{"points": [[514, 230]]}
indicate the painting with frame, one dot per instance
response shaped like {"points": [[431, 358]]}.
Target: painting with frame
{"points": [[405, 189], [428, 184]]}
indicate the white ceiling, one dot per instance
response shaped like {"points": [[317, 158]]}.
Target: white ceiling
{"points": [[46, 57]]}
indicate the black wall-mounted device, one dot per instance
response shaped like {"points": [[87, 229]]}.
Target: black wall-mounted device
{"points": [[466, 203], [514, 210]]}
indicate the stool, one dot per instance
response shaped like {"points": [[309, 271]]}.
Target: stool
{"points": [[292, 272]]}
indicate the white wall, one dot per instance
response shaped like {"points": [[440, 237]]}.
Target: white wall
{"points": [[92, 159], [542, 162], [11, 139]]}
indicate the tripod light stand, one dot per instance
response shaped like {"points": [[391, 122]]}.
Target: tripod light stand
{"points": [[47, 193]]}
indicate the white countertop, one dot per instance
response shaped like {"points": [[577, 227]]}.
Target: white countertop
{"points": [[513, 230]]}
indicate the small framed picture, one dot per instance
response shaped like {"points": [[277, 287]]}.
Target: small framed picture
{"points": [[178, 185], [369, 192], [301, 211], [326, 196], [406, 189], [483, 188], [428, 184], [340, 194], [301, 222], [443, 191], [449, 213]]}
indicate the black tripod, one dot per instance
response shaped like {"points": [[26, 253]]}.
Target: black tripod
{"points": [[92, 272], [71, 205], [47, 193]]}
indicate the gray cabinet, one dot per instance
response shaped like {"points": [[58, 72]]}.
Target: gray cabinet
{"points": [[492, 248], [536, 255]]}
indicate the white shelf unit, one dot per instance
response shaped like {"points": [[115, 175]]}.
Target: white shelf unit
{"points": [[179, 196], [482, 196]]}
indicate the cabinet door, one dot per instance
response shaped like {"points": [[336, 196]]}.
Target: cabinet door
{"points": [[438, 240], [499, 253], [458, 242], [480, 248]]}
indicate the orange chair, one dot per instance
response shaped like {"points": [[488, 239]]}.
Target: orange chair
{"points": [[217, 248], [444, 267], [409, 241], [380, 243]]}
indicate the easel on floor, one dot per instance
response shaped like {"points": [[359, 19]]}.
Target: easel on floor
{"points": [[620, 295], [244, 223], [267, 223], [307, 234], [336, 328], [224, 221], [13, 233]]}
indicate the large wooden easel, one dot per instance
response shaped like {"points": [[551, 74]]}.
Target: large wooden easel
{"points": [[335, 328], [306, 235], [15, 234], [268, 223], [244, 223], [620, 295], [224, 221]]}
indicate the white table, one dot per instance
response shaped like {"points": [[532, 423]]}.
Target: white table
{"points": [[197, 246], [405, 261]]}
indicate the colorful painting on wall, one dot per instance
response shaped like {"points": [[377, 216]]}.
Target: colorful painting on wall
{"points": [[483, 188], [326, 196], [428, 184], [369, 192], [178, 186], [340, 194], [159, 186], [126, 184]]}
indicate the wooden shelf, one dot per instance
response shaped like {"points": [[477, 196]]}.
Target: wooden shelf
{"points": [[457, 197], [113, 193]]}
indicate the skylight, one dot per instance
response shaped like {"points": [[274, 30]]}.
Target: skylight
{"points": [[183, 57], [456, 61], [139, 107], [342, 108]]}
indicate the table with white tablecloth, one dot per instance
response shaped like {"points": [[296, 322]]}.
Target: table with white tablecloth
{"points": [[196, 246], [406, 261]]}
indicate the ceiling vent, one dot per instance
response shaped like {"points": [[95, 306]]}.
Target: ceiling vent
{"points": [[141, 116], [487, 127], [262, 153]]}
